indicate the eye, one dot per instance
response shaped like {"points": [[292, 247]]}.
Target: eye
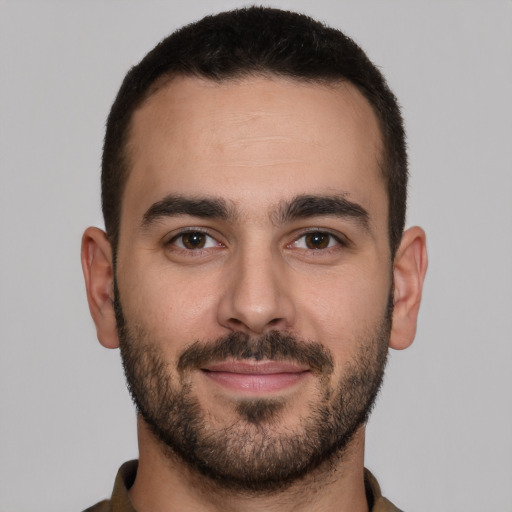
{"points": [[194, 240], [316, 240]]}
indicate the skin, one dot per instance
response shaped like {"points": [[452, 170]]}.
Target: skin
{"points": [[256, 144]]}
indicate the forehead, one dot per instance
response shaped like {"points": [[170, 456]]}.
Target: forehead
{"points": [[254, 142]]}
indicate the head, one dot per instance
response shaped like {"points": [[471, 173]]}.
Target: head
{"points": [[254, 270]]}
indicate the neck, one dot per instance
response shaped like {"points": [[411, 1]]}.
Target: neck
{"points": [[166, 484]]}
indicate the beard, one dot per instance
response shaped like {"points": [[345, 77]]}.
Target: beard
{"points": [[252, 453]]}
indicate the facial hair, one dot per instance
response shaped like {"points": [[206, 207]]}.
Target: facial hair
{"points": [[252, 454]]}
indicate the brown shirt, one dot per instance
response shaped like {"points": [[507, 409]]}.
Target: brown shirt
{"points": [[120, 502]]}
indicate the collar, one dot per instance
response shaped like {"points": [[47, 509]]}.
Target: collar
{"points": [[120, 501]]}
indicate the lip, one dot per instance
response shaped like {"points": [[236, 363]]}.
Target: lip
{"points": [[255, 376]]}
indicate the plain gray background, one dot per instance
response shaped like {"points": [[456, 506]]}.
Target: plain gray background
{"points": [[441, 435]]}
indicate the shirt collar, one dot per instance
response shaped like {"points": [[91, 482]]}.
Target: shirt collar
{"points": [[120, 501]]}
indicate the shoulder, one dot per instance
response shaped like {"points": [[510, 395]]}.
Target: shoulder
{"points": [[374, 496], [102, 506]]}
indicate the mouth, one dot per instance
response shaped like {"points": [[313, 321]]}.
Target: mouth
{"points": [[255, 377]]}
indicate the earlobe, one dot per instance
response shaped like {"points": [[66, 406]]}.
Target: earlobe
{"points": [[99, 280], [409, 271]]}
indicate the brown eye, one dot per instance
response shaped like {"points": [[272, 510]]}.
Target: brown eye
{"points": [[317, 240], [194, 240]]}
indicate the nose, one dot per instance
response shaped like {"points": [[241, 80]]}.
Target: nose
{"points": [[257, 297]]}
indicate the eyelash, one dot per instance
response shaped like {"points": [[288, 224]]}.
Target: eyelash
{"points": [[191, 231], [339, 242]]}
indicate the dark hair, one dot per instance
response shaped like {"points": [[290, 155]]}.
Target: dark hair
{"points": [[255, 41]]}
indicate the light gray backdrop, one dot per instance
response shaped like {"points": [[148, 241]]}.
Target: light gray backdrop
{"points": [[441, 436]]}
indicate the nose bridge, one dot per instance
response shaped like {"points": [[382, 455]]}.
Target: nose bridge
{"points": [[256, 299]]}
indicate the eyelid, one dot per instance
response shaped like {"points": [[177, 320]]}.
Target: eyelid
{"points": [[170, 238], [340, 238]]}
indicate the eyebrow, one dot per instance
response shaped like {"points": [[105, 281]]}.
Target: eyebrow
{"points": [[174, 205], [300, 207], [305, 206]]}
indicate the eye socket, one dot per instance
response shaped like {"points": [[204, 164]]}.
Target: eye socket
{"points": [[317, 240], [194, 240]]}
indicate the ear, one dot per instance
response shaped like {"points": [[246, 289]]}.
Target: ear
{"points": [[409, 271], [99, 282]]}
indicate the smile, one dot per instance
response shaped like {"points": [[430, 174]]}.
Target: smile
{"points": [[255, 376]]}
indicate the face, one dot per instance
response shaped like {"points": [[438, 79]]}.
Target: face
{"points": [[254, 273]]}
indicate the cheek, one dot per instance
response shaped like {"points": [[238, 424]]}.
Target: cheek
{"points": [[340, 309], [175, 307]]}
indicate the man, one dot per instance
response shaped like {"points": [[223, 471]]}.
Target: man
{"points": [[254, 269]]}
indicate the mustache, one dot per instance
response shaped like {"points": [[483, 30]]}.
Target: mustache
{"points": [[273, 346]]}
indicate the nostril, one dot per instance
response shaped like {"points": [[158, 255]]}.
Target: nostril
{"points": [[253, 327]]}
